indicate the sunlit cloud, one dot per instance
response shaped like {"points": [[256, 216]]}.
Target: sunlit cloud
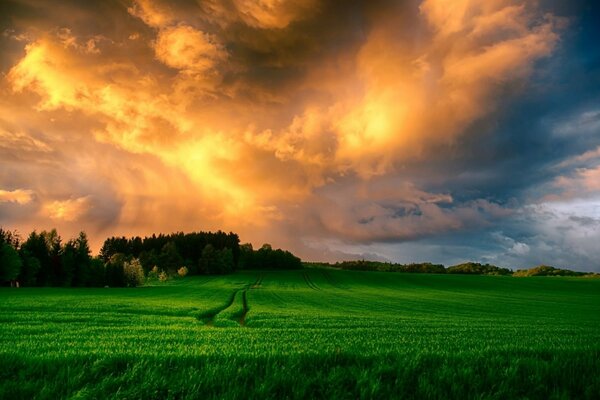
{"points": [[306, 120], [67, 210], [19, 196]]}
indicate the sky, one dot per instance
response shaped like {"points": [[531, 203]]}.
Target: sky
{"points": [[406, 131]]}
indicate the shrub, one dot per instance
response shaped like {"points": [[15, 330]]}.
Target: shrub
{"points": [[163, 276], [183, 271], [134, 273], [153, 273]]}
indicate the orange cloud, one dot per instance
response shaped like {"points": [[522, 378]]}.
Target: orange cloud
{"points": [[67, 210], [187, 49], [19, 196], [219, 119], [272, 13], [152, 13]]}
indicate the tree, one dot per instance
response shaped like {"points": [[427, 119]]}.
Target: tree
{"points": [[81, 273], [246, 256], [224, 261], [10, 238], [113, 246], [169, 258], [36, 247], [10, 263], [29, 269], [68, 264], [134, 273], [115, 274], [207, 260], [97, 273], [55, 273], [149, 260], [215, 261]]}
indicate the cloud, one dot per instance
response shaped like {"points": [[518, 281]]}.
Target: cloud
{"points": [[586, 123], [67, 210], [22, 141], [361, 124], [19, 196], [272, 13], [153, 13], [189, 50]]}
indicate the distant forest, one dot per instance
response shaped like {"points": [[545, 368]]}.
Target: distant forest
{"points": [[43, 259], [468, 268]]}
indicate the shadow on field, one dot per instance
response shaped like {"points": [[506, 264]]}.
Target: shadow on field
{"points": [[511, 374]]}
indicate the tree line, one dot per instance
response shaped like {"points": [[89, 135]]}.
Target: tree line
{"points": [[44, 259], [468, 268]]}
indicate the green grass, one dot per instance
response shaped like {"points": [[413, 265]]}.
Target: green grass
{"points": [[306, 334]]}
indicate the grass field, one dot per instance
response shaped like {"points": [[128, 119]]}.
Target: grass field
{"points": [[305, 334]]}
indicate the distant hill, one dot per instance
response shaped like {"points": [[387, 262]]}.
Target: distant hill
{"points": [[472, 268], [546, 270], [467, 268]]}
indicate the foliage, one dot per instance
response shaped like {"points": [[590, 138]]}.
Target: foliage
{"points": [[267, 258], [163, 276], [472, 268], [9, 238], [134, 273], [153, 273], [169, 259], [29, 269], [364, 265], [189, 246], [10, 263], [183, 271], [97, 272], [545, 270], [115, 271], [214, 261]]}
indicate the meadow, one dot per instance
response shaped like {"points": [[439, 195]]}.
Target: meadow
{"points": [[313, 333]]}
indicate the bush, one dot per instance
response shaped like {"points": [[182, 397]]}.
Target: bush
{"points": [[163, 276], [134, 273], [153, 273], [183, 271]]}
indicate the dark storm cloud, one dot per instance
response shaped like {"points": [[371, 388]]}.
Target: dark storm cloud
{"points": [[378, 128]]}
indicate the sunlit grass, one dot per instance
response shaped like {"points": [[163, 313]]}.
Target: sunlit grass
{"points": [[312, 333]]}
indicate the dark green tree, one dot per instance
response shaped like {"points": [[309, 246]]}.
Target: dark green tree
{"points": [[10, 263], [97, 273], [115, 274], [81, 273], [36, 247], [29, 269], [169, 259]]}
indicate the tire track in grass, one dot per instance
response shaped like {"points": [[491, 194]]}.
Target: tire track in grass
{"points": [[309, 281], [210, 316], [205, 280], [245, 308], [332, 281], [258, 282]]}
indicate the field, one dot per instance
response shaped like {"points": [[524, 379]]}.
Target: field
{"points": [[305, 334]]}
